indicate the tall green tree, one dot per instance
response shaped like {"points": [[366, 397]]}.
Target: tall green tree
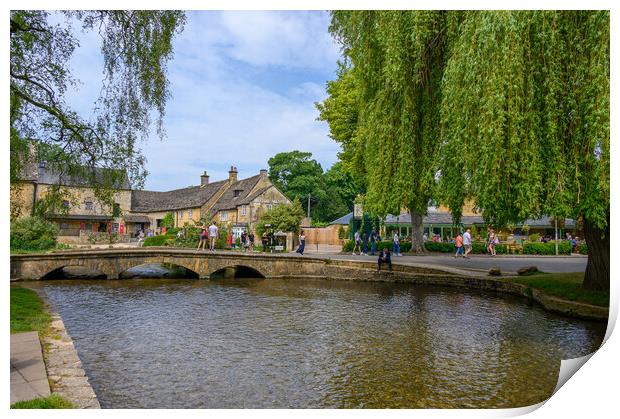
{"points": [[388, 125], [136, 47], [299, 176], [525, 122], [286, 218]]}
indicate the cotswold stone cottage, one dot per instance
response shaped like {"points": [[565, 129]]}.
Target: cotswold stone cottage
{"points": [[237, 204]]}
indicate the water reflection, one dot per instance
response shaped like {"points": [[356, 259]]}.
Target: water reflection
{"points": [[152, 343]]}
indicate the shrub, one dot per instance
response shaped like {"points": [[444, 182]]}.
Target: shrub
{"points": [[159, 240], [33, 233], [534, 237], [583, 248], [440, 247], [348, 246], [564, 248], [404, 246]]}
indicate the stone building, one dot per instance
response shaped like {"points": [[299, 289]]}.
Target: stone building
{"points": [[231, 202], [81, 213]]}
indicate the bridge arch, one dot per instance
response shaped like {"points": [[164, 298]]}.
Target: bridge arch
{"points": [[170, 266], [82, 272], [236, 271]]}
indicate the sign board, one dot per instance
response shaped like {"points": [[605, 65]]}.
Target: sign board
{"points": [[358, 211], [279, 248]]}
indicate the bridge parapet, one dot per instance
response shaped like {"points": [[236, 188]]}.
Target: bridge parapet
{"points": [[113, 262]]}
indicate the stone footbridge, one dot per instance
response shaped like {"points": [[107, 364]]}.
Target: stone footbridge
{"points": [[113, 262]]}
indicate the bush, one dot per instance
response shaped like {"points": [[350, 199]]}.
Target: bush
{"points": [[348, 246], [33, 233], [159, 240], [534, 237], [404, 246], [440, 247], [583, 248], [564, 248]]}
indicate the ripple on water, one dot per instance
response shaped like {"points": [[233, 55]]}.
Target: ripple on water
{"points": [[290, 343]]}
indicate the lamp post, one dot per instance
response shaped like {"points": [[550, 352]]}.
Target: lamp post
{"points": [[557, 252]]}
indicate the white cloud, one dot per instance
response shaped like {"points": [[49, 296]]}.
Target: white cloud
{"points": [[244, 86]]}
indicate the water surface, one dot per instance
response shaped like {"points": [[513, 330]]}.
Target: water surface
{"points": [[243, 343]]}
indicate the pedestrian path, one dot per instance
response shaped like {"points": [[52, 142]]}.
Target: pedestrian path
{"points": [[28, 376]]}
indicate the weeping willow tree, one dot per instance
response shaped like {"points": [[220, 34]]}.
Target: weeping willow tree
{"points": [[525, 122], [135, 46], [389, 126]]}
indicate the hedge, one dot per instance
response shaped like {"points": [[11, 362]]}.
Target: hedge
{"points": [[564, 248], [478, 248], [158, 240], [583, 248]]}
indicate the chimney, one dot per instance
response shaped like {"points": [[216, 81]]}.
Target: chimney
{"points": [[204, 179], [263, 172], [232, 174]]}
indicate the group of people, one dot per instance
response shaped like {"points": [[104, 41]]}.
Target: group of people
{"points": [[209, 233], [463, 244], [362, 242], [246, 241]]}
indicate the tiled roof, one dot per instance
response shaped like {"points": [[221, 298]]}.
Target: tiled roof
{"points": [[344, 219], [190, 197], [42, 174], [229, 201], [253, 196]]}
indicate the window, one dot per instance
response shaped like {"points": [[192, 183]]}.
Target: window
{"points": [[64, 226], [243, 210], [181, 214], [116, 209], [224, 215], [88, 205], [269, 206], [88, 227], [65, 204], [189, 213], [237, 192]]}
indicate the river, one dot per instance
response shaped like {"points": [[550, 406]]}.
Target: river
{"points": [[278, 343]]}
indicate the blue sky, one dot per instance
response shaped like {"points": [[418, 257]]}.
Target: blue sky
{"points": [[244, 86]]}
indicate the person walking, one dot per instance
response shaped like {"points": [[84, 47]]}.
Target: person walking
{"points": [[203, 239], [458, 242], [212, 236], [373, 242], [251, 237], [467, 243], [358, 245], [302, 243], [244, 241], [229, 240], [491, 242], [384, 257], [365, 243], [396, 244]]}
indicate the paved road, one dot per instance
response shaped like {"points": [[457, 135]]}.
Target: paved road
{"points": [[506, 263]]}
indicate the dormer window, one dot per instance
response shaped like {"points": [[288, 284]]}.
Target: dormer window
{"points": [[237, 192]]}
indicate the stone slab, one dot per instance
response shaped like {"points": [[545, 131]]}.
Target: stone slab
{"points": [[28, 375]]}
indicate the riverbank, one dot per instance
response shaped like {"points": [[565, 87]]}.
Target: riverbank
{"points": [[61, 365]]}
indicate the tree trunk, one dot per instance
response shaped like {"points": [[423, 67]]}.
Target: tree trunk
{"points": [[597, 270], [417, 231]]}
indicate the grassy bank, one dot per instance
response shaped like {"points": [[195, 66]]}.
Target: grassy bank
{"points": [[51, 402], [566, 286], [27, 311]]}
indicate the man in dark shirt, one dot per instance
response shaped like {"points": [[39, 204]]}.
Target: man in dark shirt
{"points": [[385, 257]]}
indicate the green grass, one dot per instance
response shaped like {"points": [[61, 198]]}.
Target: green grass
{"points": [[564, 285], [51, 402], [27, 311]]}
